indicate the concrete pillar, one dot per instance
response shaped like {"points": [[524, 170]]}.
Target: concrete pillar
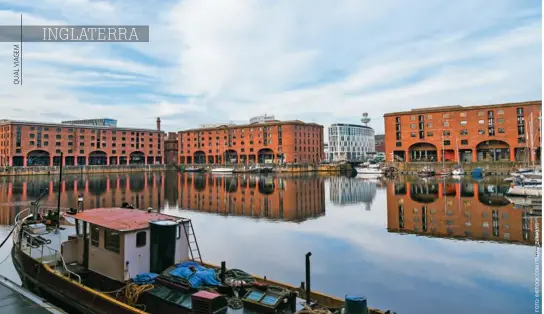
{"points": [[11, 161], [107, 160], [51, 160], [513, 154], [474, 155]]}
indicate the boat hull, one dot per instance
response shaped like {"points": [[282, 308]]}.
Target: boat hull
{"points": [[521, 191]]}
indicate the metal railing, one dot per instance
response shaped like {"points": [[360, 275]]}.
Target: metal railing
{"points": [[32, 241]]}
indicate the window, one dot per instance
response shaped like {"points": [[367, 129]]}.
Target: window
{"points": [[464, 142], [57, 143], [31, 142], [429, 124], [412, 118], [58, 151], [58, 136], [500, 111], [447, 142], [31, 135], [481, 132], [399, 144], [500, 120], [141, 238], [446, 124], [18, 151], [81, 151], [112, 240], [95, 235], [481, 121], [463, 114], [429, 117], [413, 134], [464, 132], [501, 130], [446, 133], [413, 126], [446, 115], [429, 133], [481, 113], [46, 136], [463, 122]]}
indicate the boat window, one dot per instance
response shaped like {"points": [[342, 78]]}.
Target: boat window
{"points": [[141, 238], [112, 241], [95, 235], [178, 232]]}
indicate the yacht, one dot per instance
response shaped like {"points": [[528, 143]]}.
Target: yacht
{"points": [[370, 169], [223, 170]]}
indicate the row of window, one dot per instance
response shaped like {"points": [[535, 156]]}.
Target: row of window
{"points": [[39, 129]]}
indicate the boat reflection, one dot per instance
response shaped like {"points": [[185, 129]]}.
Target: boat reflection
{"points": [[460, 210], [277, 198], [347, 191]]}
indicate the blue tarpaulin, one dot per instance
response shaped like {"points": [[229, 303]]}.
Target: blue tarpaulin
{"points": [[201, 277], [144, 278]]}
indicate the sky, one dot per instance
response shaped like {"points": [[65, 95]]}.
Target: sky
{"points": [[317, 61]]}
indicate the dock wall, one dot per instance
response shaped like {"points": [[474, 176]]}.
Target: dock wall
{"points": [[39, 170], [496, 168], [286, 168]]}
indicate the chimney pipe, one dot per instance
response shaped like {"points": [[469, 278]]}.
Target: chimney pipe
{"points": [[158, 124]]}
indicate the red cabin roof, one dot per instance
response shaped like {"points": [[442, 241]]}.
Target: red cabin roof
{"points": [[121, 219]]}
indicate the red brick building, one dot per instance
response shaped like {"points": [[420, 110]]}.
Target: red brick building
{"points": [[24, 143], [268, 141], [501, 132]]}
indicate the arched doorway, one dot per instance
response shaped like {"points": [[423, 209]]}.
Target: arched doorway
{"points": [[265, 155], [231, 156], [422, 152], [199, 157], [98, 157], [493, 150], [136, 158], [38, 158]]}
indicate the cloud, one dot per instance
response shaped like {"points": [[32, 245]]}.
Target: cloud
{"points": [[312, 60]]}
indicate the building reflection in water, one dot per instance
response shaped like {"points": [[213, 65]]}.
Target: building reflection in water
{"points": [[291, 198], [143, 190], [461, 210], [345, 190]]}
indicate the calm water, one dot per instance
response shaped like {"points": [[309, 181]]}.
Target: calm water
{"points": [[412, 247]]}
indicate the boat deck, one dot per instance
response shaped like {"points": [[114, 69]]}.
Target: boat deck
{"points": [[16, 300]]}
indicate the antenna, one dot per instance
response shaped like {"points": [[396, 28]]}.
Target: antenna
{"points": [[365, 119]]}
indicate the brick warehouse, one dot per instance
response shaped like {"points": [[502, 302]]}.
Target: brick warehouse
{"points": [[24, 143], [263, 141], [500, 132]]}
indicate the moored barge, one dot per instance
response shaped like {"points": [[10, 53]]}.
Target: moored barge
{"points": [[120, 260]]}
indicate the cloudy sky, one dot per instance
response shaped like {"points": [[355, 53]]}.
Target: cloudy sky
{"points": [[321, 61]]}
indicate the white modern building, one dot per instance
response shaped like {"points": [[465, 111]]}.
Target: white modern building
{"points": [[351, 142]]}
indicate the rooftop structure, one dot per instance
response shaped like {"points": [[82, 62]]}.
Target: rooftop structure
{"points": [[121, 219], [95, 122]]}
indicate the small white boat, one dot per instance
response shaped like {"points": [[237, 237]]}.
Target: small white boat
{"points": [[458, 172], [370, 169], [223, 170], [517, 190]]}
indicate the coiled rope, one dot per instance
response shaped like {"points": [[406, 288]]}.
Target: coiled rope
{"points": [[133, 291], [317, 310]]}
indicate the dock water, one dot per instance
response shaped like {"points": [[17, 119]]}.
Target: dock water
{"points": [[15, 299]]}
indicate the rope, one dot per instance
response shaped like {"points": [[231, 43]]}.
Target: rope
{"points": [[309, 310], [133, 291]]}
